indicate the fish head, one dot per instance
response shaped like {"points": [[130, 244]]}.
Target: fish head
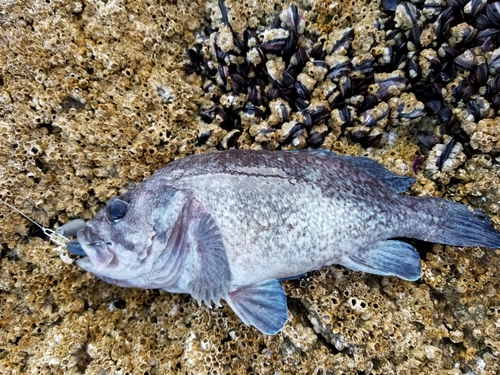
{"points": [[125, 238]]}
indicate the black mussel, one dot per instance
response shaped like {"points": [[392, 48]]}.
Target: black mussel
{"points": [[316, 139], [451, 126], [390, 5], [448, 52], [433, 107], [414, 35], [447, 19], [231, 139], [273, 47], [295, 131], [273, 93], [411, 11], [482, 22], [293, 71], [427, 91], [224, 118], [224, 13], [289, 46], [371, 117], [287, 80], [488, 45], [494, 62], [413, 69], [386, 87], [249, 37], [477, 7], [254, 94], [317, 52], [366, 139], [346, 116], [301, 91], [494, 85], [346, 88], [344, 42], [466, 61], [319, 115], [445, 153], [220, 54], [445, 115], [417, 112], [203, 137], [238, 83], [447, 73], [284, 113], [361, 85], [308, 122], [320, 64], [427, 139], [299, 104], [293, 18], [363, 66], [190, 68], [456, 3], [369, 102], [253, 110], [495, 102], [493, 12], [209, 114], [474, 107], [195, 53], [463, 91], [300, 57], [339, 70], [222, 74], [479, 75]]}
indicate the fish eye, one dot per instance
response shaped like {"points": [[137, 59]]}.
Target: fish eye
{"points": [[116, 210]]}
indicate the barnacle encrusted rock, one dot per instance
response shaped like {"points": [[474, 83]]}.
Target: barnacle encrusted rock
{"points": [[94, 98]]}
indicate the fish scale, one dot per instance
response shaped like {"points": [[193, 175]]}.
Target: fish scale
{"points": [[230, 225]]}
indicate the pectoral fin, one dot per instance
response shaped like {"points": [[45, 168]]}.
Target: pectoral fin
{"points": [[261, 305], [386, 258], [213, 279]]}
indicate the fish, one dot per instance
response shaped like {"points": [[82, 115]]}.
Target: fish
{"points": [[231, 225]]}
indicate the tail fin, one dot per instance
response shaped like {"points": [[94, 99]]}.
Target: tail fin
{"points": [[459, 226]]}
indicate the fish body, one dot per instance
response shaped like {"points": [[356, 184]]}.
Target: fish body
{"points": [[230, 225]]}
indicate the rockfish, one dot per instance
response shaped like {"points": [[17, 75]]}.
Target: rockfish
{"points": [[231, 225]]}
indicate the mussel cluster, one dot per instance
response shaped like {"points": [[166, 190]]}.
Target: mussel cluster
{"points": [[455, 73], [285, 88]]}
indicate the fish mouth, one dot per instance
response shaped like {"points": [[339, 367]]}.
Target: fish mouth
{"points": [[95, 252]]}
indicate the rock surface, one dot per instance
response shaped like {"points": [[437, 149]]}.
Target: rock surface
{"points": [[94, 98]]}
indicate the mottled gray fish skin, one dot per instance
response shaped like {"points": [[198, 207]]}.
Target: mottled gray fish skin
{"points": [[229, 225]]}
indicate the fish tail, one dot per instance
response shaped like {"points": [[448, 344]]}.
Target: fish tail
{"points": [[457, 225]]}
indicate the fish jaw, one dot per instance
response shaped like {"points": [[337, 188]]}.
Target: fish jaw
{"points": [[98, 254], [102, 256]]}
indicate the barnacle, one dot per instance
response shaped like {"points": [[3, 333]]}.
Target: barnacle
{"points": [[94, 97]]}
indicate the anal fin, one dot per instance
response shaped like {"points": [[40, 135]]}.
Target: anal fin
{"points": [[261, 305], [386, 258]]}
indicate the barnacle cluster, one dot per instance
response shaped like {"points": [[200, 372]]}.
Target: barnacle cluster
{"points": [[94, 97]]}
